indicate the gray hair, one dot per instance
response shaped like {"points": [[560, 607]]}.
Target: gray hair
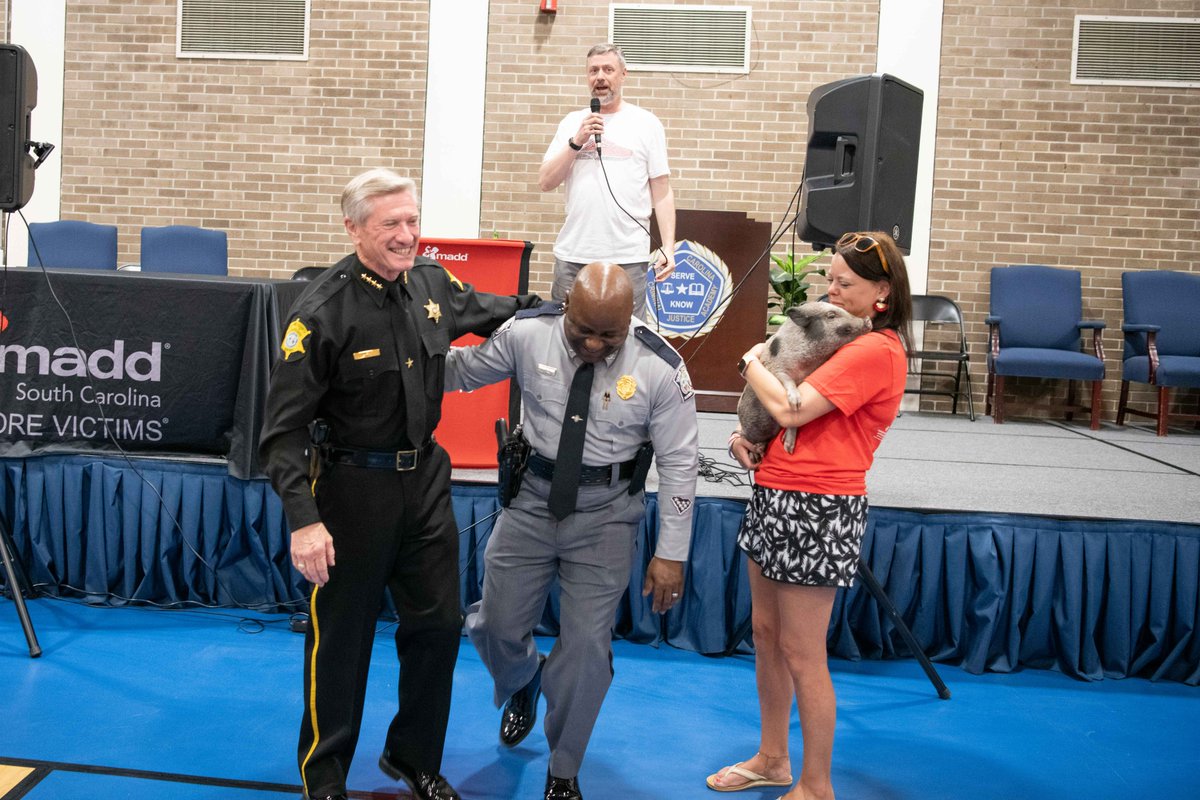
{"points": [[359, 194], [607, 47]]}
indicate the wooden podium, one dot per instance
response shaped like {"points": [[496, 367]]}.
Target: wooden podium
{"points": [[712, 357]]}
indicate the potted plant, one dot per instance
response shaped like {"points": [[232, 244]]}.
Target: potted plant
{"points": [[789, 281]]}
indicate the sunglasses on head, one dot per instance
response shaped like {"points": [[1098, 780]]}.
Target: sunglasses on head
{"points": [[862, 243]]}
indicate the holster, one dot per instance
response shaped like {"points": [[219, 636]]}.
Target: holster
{"points": [[511, 456], [641, 467], [318, 437]]}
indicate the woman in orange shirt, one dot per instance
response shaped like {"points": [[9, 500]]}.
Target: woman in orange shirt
{"points": [[804, 524]]}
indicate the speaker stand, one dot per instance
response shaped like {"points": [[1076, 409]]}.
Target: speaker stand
{"points": [[889, 608], [17, 587]]}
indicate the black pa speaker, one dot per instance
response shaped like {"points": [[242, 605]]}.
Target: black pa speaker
{"points": [[860, 172], [18, 96]]}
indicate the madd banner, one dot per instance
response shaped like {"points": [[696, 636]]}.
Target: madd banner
{"points": [[156, 365]]}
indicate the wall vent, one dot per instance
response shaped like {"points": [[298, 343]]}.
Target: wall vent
{"points": [[262, 29], [1136, 51], [682, 38]]}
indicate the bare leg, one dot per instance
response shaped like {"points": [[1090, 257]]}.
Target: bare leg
{"points": [[775, 686], [804, 622]]}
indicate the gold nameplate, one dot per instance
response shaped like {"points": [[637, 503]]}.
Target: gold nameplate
{"points": [[361, 354]]}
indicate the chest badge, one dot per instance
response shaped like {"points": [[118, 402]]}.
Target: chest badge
{"points": [[293, 339], [433, 310], [626, 386]]}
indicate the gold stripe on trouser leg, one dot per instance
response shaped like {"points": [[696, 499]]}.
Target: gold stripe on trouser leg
{"points": [[312, 683]]}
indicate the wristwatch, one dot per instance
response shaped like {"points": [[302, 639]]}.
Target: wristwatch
{"points": [[573, 146], [744, 363]]}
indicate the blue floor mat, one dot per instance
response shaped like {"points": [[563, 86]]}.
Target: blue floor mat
{"points": [[139, 703]]}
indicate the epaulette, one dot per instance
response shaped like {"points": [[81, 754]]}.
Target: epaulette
{"points": [[545, 309], [658, 345], [436, 268], [325, 286]]}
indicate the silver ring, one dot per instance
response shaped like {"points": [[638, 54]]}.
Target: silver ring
{"points": [[674, 594]]}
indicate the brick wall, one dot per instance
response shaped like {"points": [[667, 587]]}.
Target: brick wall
{"points": [[260, 149], [1029, 168], [1034, 170], [736, 143]]}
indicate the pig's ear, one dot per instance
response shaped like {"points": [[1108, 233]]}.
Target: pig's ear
{"points": [[800, 315]]}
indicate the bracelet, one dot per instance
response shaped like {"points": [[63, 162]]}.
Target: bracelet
{"points": [[573, 146], [729, 448]]}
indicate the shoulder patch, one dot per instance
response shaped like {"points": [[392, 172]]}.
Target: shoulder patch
{"points": [[684, 381], [658, 345], [543, 310], [293, 340]]}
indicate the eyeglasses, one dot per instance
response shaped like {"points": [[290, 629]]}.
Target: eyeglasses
{"points": [[863, 243]]}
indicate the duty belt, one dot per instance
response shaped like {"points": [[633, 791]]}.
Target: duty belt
{"points": [[398, 460], [588, 476]]}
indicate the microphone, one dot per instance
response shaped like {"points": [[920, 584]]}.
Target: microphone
{"points": [[596, 110]]}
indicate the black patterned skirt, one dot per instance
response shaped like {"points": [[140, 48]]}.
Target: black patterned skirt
{"points": [[804, 539]]}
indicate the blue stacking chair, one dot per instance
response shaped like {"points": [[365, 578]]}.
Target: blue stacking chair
{"points": [[185, 249], [1035, 327], [72, 244], [1162, 339]]}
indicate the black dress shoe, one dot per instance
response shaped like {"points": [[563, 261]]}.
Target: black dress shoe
{"points": [[520, 712], [423, 785], [562, 788]]}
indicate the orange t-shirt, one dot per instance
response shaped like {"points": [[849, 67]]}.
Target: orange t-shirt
{"points": [[865, 382]]}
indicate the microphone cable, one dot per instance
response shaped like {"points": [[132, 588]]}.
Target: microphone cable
{"points": [[788, 221], [668, 257]]}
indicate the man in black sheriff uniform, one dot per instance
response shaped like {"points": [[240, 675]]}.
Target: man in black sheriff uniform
{"points": [[360, 384]]}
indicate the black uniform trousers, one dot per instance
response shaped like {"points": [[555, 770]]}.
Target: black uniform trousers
{"points": [[395, 531]]}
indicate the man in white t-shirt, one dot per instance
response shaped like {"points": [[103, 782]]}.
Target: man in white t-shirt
{"points": [[614, 166]]}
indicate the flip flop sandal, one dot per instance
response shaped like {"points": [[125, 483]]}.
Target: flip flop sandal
{"points": [[753, 780]]}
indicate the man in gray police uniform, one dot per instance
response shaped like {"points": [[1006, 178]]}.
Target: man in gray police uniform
{"points": [[640, 392]]}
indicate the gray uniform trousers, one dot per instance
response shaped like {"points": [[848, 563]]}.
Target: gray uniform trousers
{"points": [[564, 279], [591, 553]]}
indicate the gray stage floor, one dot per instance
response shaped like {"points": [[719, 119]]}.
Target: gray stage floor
{"points": [[940, 462]]}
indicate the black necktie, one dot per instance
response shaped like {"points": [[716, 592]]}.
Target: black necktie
{"points": [[410, 372], [564, 487]]}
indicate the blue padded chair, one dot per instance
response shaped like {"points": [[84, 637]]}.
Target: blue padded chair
{"points": [[1034, 331], [1162, 339], [72, 244], [185, 249]]}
